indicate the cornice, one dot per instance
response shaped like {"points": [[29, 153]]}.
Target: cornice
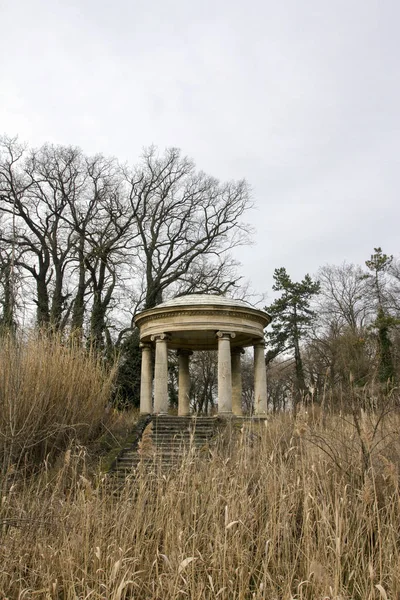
{"points": [[167, 314]]}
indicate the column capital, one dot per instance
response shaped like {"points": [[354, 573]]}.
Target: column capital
{"points": [[145, 346], [225, 334], [184, 352], [259, 344], [160, 337], [237, 350]]}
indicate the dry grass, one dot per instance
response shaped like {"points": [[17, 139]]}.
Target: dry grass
{"points": [[50, 393], [287, 510]]}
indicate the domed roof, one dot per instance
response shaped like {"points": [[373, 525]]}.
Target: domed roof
{"points": [[191, 321], [204, 299]]}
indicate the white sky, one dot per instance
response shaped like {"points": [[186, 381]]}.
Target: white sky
{"points": [[301, 97]]}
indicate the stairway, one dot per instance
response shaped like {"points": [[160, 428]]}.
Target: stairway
{"points": [[165, 442]]}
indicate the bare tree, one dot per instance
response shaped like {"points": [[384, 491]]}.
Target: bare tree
{"points": [[8, 280], [14, 188], [96, 241], [184, 220], [339, 349], [33, 190], [73, 227], [281, 377], [58, 179], [344, 296], [393, 291], [111, 238], [211, 275], [247, 368], [203, 374]]}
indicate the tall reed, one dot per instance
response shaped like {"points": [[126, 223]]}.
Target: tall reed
{"points": [[279, 511], [50, 392]]}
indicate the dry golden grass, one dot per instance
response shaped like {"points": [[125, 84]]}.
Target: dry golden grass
{"points": [[282, 511], [50, 393]]}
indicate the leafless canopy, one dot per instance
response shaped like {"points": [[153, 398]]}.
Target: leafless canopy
{"points": [[187, 222], [95, 241]]}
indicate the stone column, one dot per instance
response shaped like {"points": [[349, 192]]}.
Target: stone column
{"points": [[236, 381], [224, 372], [146, 380], [260, 380], [161, 374], [183, 382]]}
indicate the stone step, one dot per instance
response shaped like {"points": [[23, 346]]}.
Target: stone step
{"points": [[180, 435], [191, 424], [176, 441], [161, 453], [166, 448], [173, 439], [161, 442], [176, 459], [185, 441], [158, 452], [183, 426], [184, 433], [149, 461], [182, 419]]}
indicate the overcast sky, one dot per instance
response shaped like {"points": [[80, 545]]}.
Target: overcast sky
{"points": [[300, 97]]}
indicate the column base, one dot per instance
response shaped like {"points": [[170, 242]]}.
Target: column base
{"points": [[226, 415]]}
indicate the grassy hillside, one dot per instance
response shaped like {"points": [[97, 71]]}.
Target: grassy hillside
{"points": [[306, 508]]}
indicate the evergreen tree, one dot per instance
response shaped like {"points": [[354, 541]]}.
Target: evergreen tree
{"points": [[127, 385], [292, 318], [378, 265]]}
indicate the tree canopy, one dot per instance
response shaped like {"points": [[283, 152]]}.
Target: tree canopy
{"points": [[292, 319], [90, 240]]}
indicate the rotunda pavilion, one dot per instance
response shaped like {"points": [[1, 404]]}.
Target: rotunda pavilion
{"points": [[201, 322]]}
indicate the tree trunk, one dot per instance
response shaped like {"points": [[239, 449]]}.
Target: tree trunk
{"points": [[43, 309], [100, 305], [57, 300], [78, 312], [97, 320], [153, 296], [300, 382], [7, 320]]}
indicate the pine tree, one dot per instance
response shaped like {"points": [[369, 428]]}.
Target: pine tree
{"points": [[378, 265], [292, 318]]}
